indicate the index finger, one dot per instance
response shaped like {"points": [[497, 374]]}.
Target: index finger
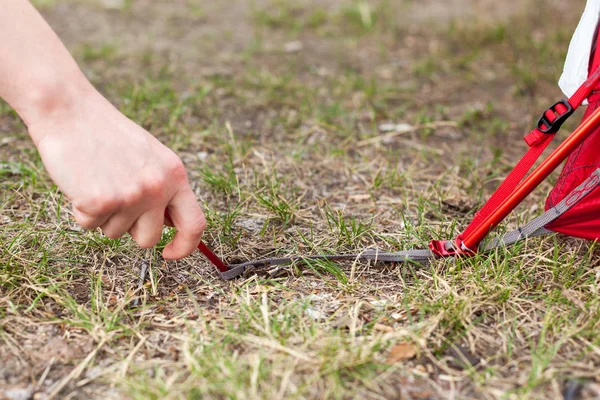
{"points": [[185, 213]]}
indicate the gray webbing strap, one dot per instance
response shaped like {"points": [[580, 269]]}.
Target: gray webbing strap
{"points": [[419, 256], [533, 228]]}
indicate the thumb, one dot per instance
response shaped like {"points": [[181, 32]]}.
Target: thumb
{"points": [[186, 215]]}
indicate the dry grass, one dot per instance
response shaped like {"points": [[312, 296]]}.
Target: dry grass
{"points": [[265, 102]]}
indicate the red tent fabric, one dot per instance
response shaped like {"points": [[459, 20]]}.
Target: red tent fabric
{"points": [[583, 219]]}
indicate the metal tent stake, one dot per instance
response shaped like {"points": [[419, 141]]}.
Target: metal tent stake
{"points": [[212, 257]]}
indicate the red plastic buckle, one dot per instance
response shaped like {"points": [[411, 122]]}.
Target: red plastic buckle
{"points": [[449, 248]]}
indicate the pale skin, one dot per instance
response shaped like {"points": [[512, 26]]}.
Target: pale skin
{"points": [[118, 177]]}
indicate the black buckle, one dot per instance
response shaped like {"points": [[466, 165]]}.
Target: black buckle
{"points": [[544, 124]]}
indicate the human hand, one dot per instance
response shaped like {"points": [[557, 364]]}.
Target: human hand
{"points": [[117, 175]]}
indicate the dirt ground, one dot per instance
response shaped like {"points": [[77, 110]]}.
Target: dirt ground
{"points": [[278, 109]]}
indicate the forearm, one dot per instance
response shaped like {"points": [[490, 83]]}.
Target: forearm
{"points": [[116, 174], [38, 76]]}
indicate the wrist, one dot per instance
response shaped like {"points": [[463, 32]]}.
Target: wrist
{"points": [[53, 99]]}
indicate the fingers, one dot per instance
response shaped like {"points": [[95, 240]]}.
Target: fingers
{"points": [[88, 221], [188, 218], [119, 224], [147, 230]]}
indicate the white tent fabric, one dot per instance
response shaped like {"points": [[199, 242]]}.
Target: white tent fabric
{"points": [[575, 71]]}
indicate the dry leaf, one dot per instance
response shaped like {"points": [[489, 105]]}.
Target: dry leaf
{"points": [[360, 197], [383, 328], [421, 395], [402, 351]]}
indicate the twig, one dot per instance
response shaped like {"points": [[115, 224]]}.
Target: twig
{"points": [[7, 141], [58, 387], [127, 361], [40, 382], [143, 271], [275, 272], [387, 136], [274, 345]]}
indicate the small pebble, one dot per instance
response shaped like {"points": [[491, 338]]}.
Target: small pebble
{"points": [[19, 393], [293, 47]]}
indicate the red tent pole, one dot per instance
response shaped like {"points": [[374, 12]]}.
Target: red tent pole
{"points": [[533, 180]]}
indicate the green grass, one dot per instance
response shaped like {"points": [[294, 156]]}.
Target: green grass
{"points": [[352, 17], [285, 153]]}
